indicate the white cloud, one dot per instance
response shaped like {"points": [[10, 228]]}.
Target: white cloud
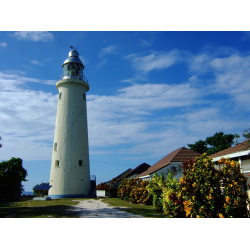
{"points": [[108, 50], [34, 36], [100, 64], [3, 44], [155, 61], [141, 120], [27, 119], [36, 62]]}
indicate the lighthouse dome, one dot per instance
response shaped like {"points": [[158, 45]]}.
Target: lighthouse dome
{"points": [[73, 58], [73, 66]]}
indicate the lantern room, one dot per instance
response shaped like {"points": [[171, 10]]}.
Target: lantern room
{"points": [[73, 66]]}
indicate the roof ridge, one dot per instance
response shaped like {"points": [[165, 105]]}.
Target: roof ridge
{"points": [[166, 160], [228, 150]]}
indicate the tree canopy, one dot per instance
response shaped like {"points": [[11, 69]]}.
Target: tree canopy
{"points": [[12, 174], [214, 144]]}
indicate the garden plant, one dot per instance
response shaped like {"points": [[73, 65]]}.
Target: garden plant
{"points": [[102, 186], [207, 192], [134, 191]]}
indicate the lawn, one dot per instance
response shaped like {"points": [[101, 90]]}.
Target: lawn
{"points": [[62, 208], [27, 208], [144, 210]]}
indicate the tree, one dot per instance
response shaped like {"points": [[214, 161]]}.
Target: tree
{"points": [[12, 174], [214, 144]]}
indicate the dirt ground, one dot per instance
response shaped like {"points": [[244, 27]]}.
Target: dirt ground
{"points": [[98, 209]]}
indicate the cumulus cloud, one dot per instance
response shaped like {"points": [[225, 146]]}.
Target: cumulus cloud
{"points": [[147, 120], [230, 75], [34, 36], [155, 61], [108, 50], [27, 120], [3, 44]]}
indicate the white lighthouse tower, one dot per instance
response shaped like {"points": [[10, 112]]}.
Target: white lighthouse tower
{"points": [[70, 173]]}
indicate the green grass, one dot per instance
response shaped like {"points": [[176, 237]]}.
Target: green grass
{"points": [[61, 208], [26, 208], [144, 210]]}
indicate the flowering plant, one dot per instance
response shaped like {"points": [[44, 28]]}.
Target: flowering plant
{"points": [[205, 191], [134, 190], [102, 186]]}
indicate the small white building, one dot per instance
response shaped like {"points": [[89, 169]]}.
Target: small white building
{"points": [[172, 162]]}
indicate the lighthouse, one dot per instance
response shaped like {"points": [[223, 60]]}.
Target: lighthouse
{"points": [[70, 171]]}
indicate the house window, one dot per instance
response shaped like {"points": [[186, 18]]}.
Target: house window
{"points": [[55, 147], [80, 163], [57, 163], [60, 95], [84, 96]]}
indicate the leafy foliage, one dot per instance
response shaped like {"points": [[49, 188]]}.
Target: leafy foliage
{"points": [[12, 174], [102, 186], [208, 192], [134, 190], [160, 189], [214, 144], [155, 190]]}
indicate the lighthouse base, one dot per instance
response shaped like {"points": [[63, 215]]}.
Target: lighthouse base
{"points": [[60, 196]]}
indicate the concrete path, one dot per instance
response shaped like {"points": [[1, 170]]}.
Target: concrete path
{"points": [[97, 209]]}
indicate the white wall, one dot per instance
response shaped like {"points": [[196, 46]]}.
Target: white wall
{"points": [[176, 174], [71, 136], [245, 164]]}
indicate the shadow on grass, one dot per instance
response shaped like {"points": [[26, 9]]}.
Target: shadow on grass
{"points": [[26, 208], [55, 211]]}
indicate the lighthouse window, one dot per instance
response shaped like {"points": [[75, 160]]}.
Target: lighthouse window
{"points": [[84, 97], [55, 147], [80, 163], [60, 95], [57, 164]]}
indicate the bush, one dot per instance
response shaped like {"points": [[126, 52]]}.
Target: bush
{"points": [[139, 193], [206, 192], [155, 190], [102, 186], [134, 190], [125, 188], [159, 189]]}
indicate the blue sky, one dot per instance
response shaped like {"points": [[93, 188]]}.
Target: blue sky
{"points": [[150, 93]]}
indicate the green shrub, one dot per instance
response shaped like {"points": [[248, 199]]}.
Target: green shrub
{"points": [[155, 190], [134, 190], [139, 193], [102, 186], [205, 192], [159, 189]]}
